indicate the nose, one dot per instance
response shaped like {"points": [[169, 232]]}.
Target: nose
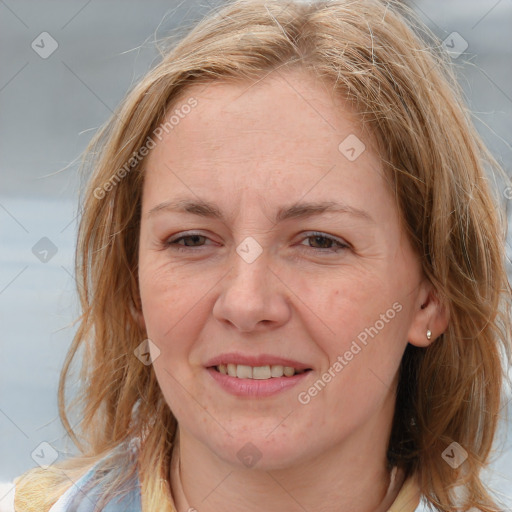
{"points": [[252, 297]]}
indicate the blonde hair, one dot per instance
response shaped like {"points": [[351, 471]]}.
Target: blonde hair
{"points": [[380, 58]]}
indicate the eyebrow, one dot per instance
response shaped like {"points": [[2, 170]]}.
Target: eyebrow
{"points": [[204, 208]]}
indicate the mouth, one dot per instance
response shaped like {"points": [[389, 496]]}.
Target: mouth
{"points": [[266, 372], [254, 377]]}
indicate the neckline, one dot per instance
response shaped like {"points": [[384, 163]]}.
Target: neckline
{"points": [[400, 491]]}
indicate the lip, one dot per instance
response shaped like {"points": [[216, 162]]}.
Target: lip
{"points": [[255, 387], [259, 360]]}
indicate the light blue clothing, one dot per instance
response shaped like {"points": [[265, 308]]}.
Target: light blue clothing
{"points": [[84, 495], [80, 499]]}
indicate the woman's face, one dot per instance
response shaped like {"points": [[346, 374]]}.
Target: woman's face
{"points": [[269, 239]]}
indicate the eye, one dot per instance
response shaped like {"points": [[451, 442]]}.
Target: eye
{"points": [[321, 242], [190, 241], [327, 243]]}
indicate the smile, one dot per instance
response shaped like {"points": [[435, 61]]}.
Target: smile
{"points": [[243, 371], [258, 381]]}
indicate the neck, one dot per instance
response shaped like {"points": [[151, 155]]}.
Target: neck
{"points": [[342, 480]]}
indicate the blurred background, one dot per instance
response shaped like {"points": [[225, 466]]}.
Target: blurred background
{"points": [[65, 67]]}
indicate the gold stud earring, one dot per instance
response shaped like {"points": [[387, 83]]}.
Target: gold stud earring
{"points": [[429, 334]]}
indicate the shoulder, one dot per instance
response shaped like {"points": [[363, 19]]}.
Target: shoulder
{"points": [[81, 498], [104, 488]]}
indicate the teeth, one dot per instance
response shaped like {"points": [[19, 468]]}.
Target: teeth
{"points": [[243, 371], [288, 371], [261, 372], [276, 371]]}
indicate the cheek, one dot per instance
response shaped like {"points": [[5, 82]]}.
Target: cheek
{"points": [[362, 320], [169, 301], [344, 304]]}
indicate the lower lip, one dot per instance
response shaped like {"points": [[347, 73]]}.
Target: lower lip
{"points": [[256, 387]]}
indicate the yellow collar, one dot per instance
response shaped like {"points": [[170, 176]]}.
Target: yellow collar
{"points": [[408, 498]]}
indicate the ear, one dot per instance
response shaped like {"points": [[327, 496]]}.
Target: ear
{"points": [[430, 314]]}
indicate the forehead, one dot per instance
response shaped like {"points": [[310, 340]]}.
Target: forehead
{"points": [[293, 104], [287, 132]]}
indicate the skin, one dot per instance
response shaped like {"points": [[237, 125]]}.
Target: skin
{"points": [[251, 149]]}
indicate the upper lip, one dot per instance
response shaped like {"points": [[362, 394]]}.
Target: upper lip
{"points": [[259, 360]]}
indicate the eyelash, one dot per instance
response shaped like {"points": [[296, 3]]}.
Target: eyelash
{"points": [[172, 243]]}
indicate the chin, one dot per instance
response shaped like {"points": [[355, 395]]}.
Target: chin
{"points": [[261, 451]]}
